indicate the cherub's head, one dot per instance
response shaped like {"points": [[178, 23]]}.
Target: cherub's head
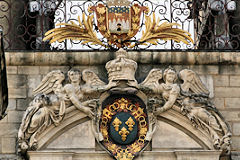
{"points": [[74, 76], [170, 75]]}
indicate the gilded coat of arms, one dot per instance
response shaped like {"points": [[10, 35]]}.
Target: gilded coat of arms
{"points": [[124, 125], [118, 22]]}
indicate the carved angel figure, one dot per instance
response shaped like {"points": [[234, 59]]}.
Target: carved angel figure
{"points": [[47, 108], [166, 92], [197, 107], [193, 99], [51, 100]]}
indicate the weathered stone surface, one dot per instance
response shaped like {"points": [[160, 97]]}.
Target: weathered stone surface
{"points": [[208, 82], [10, 129], [15, 116], [160, 155], [161, 57], [8, 145], [20, 58], [22, 104], [235, 143], [12, 103], [58, 58], [11, 69], [221, 81], [227, 92], [226, 57], [203, 69], [235, 155], [44, 70], [33, 82], [232, 102], [47, 58], [219, 103], [62, 68], [236, 129], [17, 81], [235, 81], [17, 93], [78, 137], [166, 136], [97, 58], [28, 70], [198, 155], [83, 58], [41, 58], [231, 115], [229, 69]]}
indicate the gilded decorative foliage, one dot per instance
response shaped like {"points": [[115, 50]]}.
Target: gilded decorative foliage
{"points": [[165, 31], [83, 32], [118, 26]]}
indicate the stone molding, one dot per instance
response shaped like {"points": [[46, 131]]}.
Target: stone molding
{"points": [[75, 117], [156, 155], [100, 58]]}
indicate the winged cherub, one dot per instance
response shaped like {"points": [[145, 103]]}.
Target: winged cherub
{"points": [[50, 103]]}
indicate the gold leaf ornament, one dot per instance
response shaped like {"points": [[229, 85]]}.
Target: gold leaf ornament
{"points": [[165, 31], [101, 10], [83, 32]]}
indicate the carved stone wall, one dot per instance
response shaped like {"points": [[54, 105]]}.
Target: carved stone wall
{"points": [[220, 72]]}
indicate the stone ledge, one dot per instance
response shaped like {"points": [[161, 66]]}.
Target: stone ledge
{"points": [[100, 58], [147, 155]]}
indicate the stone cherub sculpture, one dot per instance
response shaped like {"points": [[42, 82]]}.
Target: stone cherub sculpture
{"points": [[191, 97], [51, 100]]}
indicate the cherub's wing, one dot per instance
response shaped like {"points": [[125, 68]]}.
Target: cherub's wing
{"points": [[192, 82], [52, 82], [153, 77], [91, 78]]}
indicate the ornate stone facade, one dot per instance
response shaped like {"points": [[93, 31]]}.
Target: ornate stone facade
{"points": [[124, 114]]}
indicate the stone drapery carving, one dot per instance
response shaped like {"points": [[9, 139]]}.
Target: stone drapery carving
{"points": [[127, 102], [192, 98], [51, 100]]}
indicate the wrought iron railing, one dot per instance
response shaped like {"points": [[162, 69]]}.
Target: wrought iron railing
{"points": [[214, 24]]}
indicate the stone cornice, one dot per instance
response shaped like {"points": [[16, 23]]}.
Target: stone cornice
{"points": [[100, 58]]}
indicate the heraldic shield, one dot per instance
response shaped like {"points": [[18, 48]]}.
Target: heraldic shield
{"points": [[118, 21], [124, 125]]}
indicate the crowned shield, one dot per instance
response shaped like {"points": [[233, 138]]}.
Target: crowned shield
{"points": [[118, 21], [124, 126]]}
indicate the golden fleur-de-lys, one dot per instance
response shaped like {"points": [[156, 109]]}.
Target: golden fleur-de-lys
{"points": [[130, 123], [143, 131], [123, 103], [124, 133], [101, 19], [116, 123], [101, 10], [124, 156]]}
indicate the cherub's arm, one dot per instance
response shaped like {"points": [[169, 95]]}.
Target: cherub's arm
{"points": [[74, 99], [171, 100]]}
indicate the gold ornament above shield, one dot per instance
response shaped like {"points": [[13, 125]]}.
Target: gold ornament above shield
{"points": [[118, 21]]}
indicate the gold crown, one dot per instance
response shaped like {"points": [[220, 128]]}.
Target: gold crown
{"points": [[118, 3], [121, 68]]}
